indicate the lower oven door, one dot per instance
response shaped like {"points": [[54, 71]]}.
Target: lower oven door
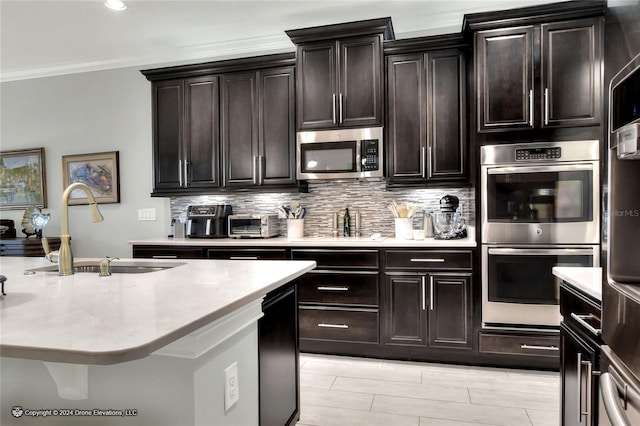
{"points": [[518, 286]]}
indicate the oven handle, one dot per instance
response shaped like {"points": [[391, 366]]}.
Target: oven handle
{"points": [[536, 252], [539, 169]]}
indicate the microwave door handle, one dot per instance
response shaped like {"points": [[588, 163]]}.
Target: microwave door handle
{"points": [[539, 169], [535, 252]]}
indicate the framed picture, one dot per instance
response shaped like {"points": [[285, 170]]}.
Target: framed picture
{"points": [[98, 171], [22, 179]]}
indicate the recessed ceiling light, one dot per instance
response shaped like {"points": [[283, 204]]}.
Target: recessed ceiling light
{"points": [[115, 4]]}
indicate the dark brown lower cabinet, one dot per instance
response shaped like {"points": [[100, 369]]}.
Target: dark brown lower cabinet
{"points": [[425, 309], [278, 354]]}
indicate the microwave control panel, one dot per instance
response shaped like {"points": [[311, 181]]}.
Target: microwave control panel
{"points": [[538, 154], [369, 154]]}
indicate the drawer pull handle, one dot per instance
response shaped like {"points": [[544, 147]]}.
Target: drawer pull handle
{"points": [[243, 258], [322, 324], [169, 256], [332, 288], [581, 320], [427, 260], [538, 347]]}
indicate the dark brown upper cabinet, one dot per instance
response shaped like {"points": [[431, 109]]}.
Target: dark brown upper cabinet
{"points": [[426, 117], [541, 70], [224, 125], [258, 130], [185, 134], [340, 74]]}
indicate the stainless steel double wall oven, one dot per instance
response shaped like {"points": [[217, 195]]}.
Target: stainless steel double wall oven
{"points": [[540, 207]]}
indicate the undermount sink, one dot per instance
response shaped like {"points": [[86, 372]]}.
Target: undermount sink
{"points": [[116, 268]]}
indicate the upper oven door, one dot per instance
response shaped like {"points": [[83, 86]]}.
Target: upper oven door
{"points": [[551, 203]]}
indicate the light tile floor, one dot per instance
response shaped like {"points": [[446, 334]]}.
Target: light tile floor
{"points": [[346, 391]]}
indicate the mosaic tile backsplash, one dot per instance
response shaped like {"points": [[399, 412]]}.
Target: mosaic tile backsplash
{"points": [[325, 197]]}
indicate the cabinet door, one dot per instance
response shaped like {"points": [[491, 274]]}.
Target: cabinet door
{"points": [[167, 134], [202, 132], [316, 85], [579, 393], [405, 309], [447, 138], [239, 129], [277, 126], [571, 73], [504, 71], [450, 314], [360, 82], [406, 112]]}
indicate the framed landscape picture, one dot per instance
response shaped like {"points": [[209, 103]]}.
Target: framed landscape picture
{"points": [[22, 179], [98, 171]]}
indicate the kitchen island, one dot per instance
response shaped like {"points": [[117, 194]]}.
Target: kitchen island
{"points": [[139, 348]]}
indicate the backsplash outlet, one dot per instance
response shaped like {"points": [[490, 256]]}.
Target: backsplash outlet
{"points": [[370, 199]]}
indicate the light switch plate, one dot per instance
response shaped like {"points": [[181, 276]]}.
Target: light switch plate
{"points": [[147, 214]]}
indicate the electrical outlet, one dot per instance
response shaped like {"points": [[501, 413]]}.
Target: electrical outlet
{"points": [[231, 386]]}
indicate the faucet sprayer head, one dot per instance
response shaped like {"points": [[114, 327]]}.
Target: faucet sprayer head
{"points": [[96, 216]]}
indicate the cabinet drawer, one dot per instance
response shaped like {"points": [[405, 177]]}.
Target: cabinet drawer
{"points": [[247, 254], [421, 259], [513, 344], [339, 288], [344, 259], [167, 252], [352, 325], [579, 311]]}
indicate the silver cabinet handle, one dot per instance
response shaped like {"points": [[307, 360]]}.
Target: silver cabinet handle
{"points": [[542, 348], [609, 391], [424, 294], [546, 106], [341, 99], [431, 288], [180, 173], [167, 256], [531, 108], [429, 159], [186, 173], [427, 260], [587, 399], [254, 172], [243, 258], [579, 392], [325, 325], [332, 288], [423, 161], [334, 108], [261, 167], [581, 320]]}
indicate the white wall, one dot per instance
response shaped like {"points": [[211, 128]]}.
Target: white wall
{"points": [[88, 113]]}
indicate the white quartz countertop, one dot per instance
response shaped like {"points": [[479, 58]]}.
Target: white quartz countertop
{"points": [[587, 280], [87, 319], [383, 242]]}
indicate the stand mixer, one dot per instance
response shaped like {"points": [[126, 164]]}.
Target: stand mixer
{"points": [[448, 223]]}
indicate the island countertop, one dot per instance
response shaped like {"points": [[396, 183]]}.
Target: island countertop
{"points": [[586, 280], [87, 319]]}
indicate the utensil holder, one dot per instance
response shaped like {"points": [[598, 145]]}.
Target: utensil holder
{"points": [[295, 229], [404, 228]]}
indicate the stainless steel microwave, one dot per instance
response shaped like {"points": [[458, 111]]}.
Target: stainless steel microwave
{"points": [[624, 111], [340, 154]]}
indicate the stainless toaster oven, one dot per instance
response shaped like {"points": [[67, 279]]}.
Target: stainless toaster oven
{"points": [[253, 226]]}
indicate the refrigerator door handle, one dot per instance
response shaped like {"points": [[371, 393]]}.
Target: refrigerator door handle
{"points": [[611, 400]]}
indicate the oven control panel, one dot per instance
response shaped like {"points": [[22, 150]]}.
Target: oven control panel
{"points": [[538, 153]]}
